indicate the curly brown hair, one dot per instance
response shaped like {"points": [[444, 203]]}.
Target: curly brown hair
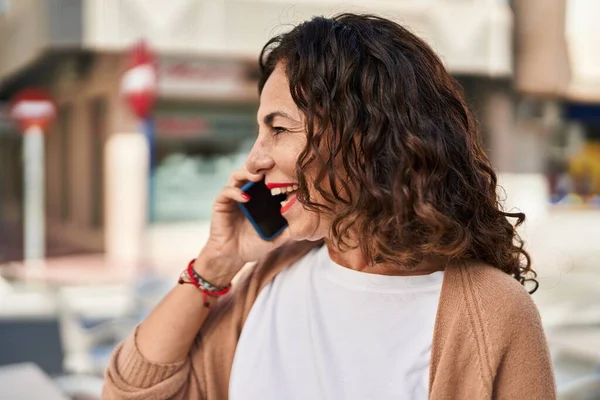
{"points": [[415, 180]]}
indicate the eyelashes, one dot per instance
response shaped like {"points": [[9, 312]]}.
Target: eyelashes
{"points": [[275, 130], [278, 129]]}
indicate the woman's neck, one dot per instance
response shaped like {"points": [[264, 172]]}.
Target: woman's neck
{"points": [[353, 259]]}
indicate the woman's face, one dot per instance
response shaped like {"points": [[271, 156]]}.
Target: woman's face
{"points": [[280, 140]]}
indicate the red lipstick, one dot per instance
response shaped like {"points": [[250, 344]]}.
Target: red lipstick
{"points": [[289, 204], [279, 185]]}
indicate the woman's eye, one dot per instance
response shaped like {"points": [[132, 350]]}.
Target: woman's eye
{"points": [[278, 129]]}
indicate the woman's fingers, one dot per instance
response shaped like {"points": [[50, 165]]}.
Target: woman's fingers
{"points": [[239, 177], [229, 194], [233, 192]]}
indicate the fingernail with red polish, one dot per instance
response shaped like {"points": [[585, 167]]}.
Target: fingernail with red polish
{"points": [[245, 196]]}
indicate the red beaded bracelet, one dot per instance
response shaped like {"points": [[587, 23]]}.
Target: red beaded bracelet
{"points": [[207, 288]]}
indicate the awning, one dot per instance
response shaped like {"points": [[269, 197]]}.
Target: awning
{"points": [[473, 37]]}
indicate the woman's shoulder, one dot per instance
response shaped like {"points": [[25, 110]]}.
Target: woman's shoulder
{"points": [[493, 284], [492, 296]]}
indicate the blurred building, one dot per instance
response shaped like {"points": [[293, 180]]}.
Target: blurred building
{"points": [[521, 70]]}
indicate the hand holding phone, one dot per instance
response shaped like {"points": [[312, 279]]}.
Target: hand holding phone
{"points": [[263, 210], [233, 239]]}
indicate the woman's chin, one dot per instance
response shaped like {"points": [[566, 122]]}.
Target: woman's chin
{"points": [[299, 231]]}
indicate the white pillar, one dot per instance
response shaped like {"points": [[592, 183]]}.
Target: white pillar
{"points": [[34, 229], [126, 201]]}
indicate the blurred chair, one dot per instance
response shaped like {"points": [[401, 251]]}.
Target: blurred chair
{"points": [[92, 319]]}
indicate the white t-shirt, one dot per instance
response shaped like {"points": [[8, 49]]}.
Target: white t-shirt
{"points": [[323, 331]]}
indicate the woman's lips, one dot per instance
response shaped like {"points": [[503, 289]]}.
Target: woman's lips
{"points": [[280, 185], [290, 203]]}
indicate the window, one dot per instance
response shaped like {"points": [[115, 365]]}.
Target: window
{"points": [[197, 147]]}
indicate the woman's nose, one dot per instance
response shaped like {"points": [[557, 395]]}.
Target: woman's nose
{"points": [[259, 160]]}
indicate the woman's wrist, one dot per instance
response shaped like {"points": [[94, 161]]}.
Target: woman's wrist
{"points": [[216, 269]]}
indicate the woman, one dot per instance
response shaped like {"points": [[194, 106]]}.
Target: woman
{"points": [[399, 277]]}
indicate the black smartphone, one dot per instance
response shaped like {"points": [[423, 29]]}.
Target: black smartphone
{"points": [[263, 210]]}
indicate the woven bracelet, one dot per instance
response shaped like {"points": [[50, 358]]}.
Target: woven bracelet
{"points": [[207, 288]]}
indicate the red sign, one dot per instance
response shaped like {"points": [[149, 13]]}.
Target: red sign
{"points": [[140, 81], [181, 127], [205, 78], [32, 107]]}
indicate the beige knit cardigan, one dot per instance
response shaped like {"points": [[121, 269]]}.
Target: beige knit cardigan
{"points": [[488, 341]]}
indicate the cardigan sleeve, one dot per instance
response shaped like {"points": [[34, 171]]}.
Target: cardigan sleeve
{"points": [[130, 376]]}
